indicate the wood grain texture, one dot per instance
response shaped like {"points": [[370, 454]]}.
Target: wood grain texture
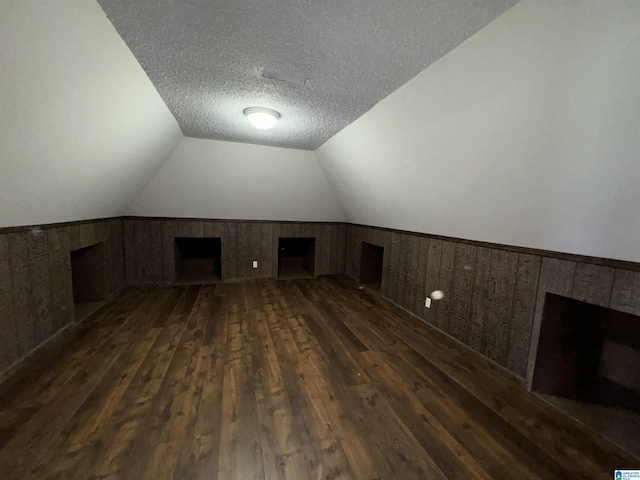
{"points": [[500, 291], [461, 291], [150, 246], [524, 304], [35, 282], [432, 283], [445, 283], [491, 307], [271, 384], [626, 292], [421, 276], [592, 284], [9, 334]]}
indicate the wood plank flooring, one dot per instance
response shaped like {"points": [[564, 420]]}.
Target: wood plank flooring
{"points": [[305, 379]]}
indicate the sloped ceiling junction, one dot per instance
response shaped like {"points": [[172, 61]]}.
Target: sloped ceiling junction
{"points": [[207, 58]]}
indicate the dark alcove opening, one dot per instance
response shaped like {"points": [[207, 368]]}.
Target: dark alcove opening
{"points": [[296, 258], [371, 258], [588, 365], [87, 277], [198, 261]]}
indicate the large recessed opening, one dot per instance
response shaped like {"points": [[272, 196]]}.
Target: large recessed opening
{"points": [[87, 277], [296, 258], [371, 257], [198, 261], [587, 365]]}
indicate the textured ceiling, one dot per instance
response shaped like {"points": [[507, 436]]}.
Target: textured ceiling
{"points": [[207, 57]]}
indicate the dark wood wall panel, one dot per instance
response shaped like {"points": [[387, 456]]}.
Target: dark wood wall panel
{"points": [[524, 303], [593, 284], [36, 297], [494, 295], [461, 291], [626, 292], [501, 290], [150, 246]]}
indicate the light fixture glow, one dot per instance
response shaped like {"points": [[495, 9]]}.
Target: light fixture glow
{"points": [[261, 118]]}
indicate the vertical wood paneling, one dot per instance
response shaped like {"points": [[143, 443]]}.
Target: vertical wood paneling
{"points": [[155, 272], [22, 307], [395, 274], [462, 290], [357, 248], [8, 333], [130, 251], [626, 292], [593, 284], [243, 242], [524, 303], [479, 298], [325, 251], [169, 229], [39, 282], [501, 291], [256, 250], [275, 241], [421, 276], [493, 296], [197, 228], [61, 290], [411, 272], [230, 252], [433, 277], [267, 250], [333, 258], [445, 282], [340, 247], [36, 298]]}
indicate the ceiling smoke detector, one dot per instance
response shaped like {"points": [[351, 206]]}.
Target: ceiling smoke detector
{"points": [[261, 118]]}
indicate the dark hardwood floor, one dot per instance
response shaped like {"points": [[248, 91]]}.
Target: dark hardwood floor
{"points": [[306, 379]]}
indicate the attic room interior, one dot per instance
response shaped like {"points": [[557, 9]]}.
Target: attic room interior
{"points": [[319, 240]]}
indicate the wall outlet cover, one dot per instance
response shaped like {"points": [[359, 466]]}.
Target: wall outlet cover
{"points": [[427, 302], [255, 264]]}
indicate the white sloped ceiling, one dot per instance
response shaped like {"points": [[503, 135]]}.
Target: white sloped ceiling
{"points": [[82, 128], [526, 134]]}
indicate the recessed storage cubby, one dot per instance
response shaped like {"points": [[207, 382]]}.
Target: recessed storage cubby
{"points": [[587, 366], [87, 277], [371, 257], [296, 258], [198, 260]]}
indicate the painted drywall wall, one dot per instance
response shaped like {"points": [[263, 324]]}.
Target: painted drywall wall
{"points": [[216, 179], [82, 128], [527, 134]]}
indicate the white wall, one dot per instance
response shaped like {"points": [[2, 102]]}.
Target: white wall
{"points": [[527, 134], [81, 126], [215, 179]]}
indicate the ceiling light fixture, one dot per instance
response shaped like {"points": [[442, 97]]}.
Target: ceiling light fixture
{"points": [[261, 118]]}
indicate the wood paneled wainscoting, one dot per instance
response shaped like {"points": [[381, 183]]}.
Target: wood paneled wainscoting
{"points": [[494, 294], [150, 246], [36, 287]]}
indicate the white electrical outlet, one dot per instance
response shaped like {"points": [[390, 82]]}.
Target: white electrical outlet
{"points": [[427, 302], [255, 264]]}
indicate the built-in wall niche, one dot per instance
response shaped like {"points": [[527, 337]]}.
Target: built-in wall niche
{"points": [[588, 366], [296, 257], [198, 260], [87, 277], [371, 257]]}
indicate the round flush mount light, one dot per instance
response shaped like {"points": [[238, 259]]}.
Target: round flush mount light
{"points": [[261, 118]]}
